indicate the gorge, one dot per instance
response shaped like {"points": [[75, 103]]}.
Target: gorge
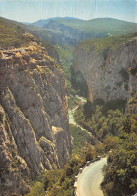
{"points": [[39, 146]]}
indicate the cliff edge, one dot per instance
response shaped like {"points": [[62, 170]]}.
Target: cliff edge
{"points": [[34, 126]]}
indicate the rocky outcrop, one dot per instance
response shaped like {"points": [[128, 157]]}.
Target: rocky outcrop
{"points": [[108, 66], [34, 124]]}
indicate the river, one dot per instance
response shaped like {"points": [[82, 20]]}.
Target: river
{"points": [[71, 116]]}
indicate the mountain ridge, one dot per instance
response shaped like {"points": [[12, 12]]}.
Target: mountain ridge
{"points": [[41, 22], [74, 31]]}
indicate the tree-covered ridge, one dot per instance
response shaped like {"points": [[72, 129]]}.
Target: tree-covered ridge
{"points": [[98, 26], [102, 25], [121, 172], [99, 44]]}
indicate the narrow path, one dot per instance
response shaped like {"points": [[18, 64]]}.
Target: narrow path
{"points": [[88, 182]]}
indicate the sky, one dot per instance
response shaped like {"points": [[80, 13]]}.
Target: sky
{"points": [[33, 10]]}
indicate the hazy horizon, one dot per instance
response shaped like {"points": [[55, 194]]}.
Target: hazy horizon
{"points": [[83, 19], [34, 10], [25, 22]]}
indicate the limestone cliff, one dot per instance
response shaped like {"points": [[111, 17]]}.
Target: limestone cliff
{"points": [[107, 66], [34, 128]]}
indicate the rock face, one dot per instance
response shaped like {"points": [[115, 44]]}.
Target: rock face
{"points": [[109, 73], [34, 128]]}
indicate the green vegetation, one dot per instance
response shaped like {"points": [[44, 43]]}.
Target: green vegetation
{"points": [[66, 58], [99, 124], [119, 141], [49, 36], [100, 25], [117, 104], [55, 30], [73, 101], [99, 44], [36, 189], [80, 138], [121, 171], [12, 35]]}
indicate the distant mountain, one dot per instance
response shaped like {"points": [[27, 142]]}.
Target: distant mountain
{"points": [[41, 23], [103, 26], [26, 23], [72, 30]]}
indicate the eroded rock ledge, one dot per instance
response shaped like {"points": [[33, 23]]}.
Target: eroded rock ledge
{"points": [[34, 129]]}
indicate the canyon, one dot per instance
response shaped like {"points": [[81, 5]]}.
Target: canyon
{"points": [[34, 121]]}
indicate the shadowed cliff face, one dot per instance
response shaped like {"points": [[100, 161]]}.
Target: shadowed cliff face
{"points": [[33, 116], [108, 71]]}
